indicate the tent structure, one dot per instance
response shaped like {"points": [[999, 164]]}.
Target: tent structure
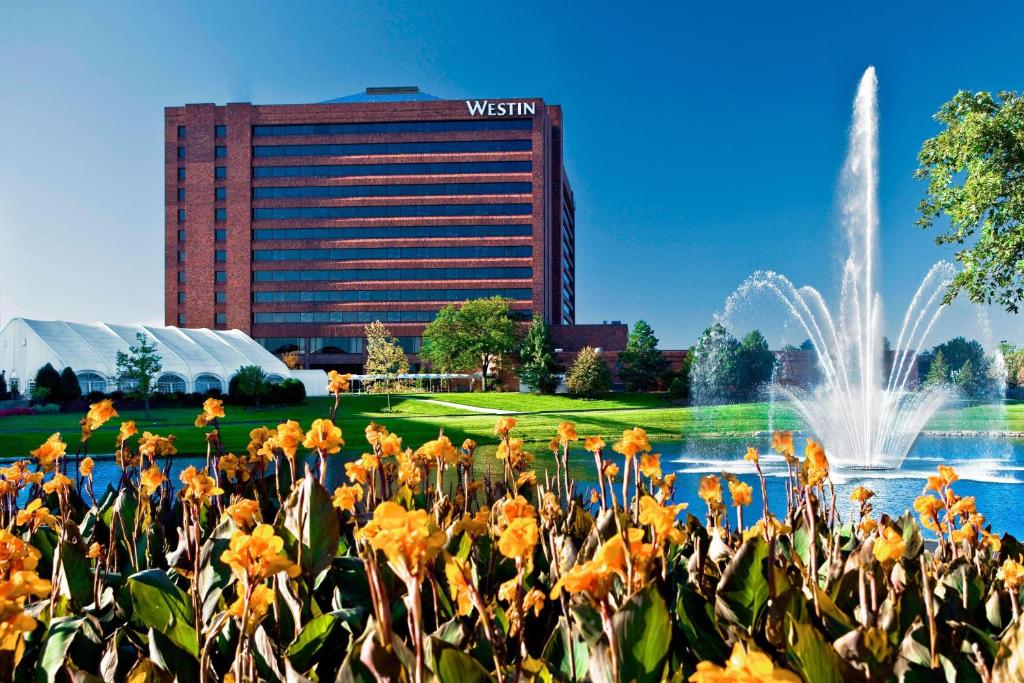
{"points": [[193, 360]]}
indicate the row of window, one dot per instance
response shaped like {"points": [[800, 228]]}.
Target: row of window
{"points": [[280, 317], [279, 345], [392, 253], [355, 295], [218, 276], [405, 232], [219, 193], [434, 168], [219, 214], [391, 127], [377, 148], [374, 274], [220, 151], [411, 190], [411, 210], [218, 132], [219, 235], [220, 320]]}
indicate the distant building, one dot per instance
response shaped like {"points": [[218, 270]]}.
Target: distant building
{"points": [[300, 223]]}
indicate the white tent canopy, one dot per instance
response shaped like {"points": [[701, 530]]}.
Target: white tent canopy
{"points": [[192, 359]]}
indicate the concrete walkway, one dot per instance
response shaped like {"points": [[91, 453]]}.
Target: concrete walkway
{"points": [[472, 409]]}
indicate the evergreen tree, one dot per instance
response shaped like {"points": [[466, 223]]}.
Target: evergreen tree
{"points": [[139, 367], [3, 385], [714, 374], [537, 366], [69, 389], [938, 372], [964, 379], [589, 375], [755, 365], [384, 356], [641, 365], [49, 379]]}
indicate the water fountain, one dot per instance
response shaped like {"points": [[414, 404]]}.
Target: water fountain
{"points": [[865, 409]]}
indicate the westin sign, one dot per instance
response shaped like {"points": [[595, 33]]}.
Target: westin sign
{"points": [[488, 108]]}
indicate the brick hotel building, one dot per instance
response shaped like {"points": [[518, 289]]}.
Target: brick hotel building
{"points": [[299, 224]]}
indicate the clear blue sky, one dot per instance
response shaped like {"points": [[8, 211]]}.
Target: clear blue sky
{"points": [[703, 142]]}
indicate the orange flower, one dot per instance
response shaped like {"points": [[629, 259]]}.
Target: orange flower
{"points": [[95, 551], [126, 431], [259, 605], [469, 445], [889, 547], [151, 479], [59, 483], [257, 556], [814, 468], [243, 512], [99, 414], [440, 449], [740, 492], [337, 383], [947, 474], [86, 466], [593, 444], [51, 450], [213, 408], [782, 443], [346, 497], [519, 538], [455, 570], [611, 470], [567, 433], [743, 665], [235, 467], [861, 495], [662, 518], [927, 508], [633, 441], [257, 438], [35, 515], [1011, 573], [504, 425], [752, 455], [710, 490], [199, 486], [324, 436], [650, 465], [289, 436], [153, 445], [407, 538]]}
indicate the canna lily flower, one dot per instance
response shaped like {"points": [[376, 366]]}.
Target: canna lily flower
{"points": [[257, 556], [440, 449], [151, 479], [710, 490], [469, 445], [760, 529], [611, 470], [1012, 573], [86, 466], [455, 570], [593, 444], [199, 486], [534, 599], [751, 455], [650, 465], [257, 438], [782, 443], [889, 546], [567, 433], [126, 431], [867, 525], [243, 512], [814, 468], [337, 383], [324, 436], [35, 515], [213, 408], [861, 495], [407, 538], [59, 483], [528, 477], [99, 414], [504, 426], [260, 601], [51, 450], [662, 519], [95, 552], [947, 474], [390, 445], [346, 497], [927, 508], [743, 665], [518, 539], [740, 492], [289, 436], [153, 445], [633, 441], [474, 525]]}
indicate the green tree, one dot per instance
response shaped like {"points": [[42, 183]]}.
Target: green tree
{"points": [[715, 372], [1013, 360], [3, 385], [755, 363], [588, 376], [47, 378], [251, 383], [384, 356], [938, 372], [470, 336], [537, 365], [974, 168], [69, 389], [139, 367], [641, 365]]}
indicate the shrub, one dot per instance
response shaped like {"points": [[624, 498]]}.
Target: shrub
{"points": [[288, 392], [47, 409], [589, 374], [12, 412], [68, 389], [679, 388], [47, 378], [248, 386]]}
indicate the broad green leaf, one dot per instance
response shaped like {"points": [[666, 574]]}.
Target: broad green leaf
{"points": [[643, 631], [326, 630], [312, 521], [456, 667], [170, 657], [743, 590], [811, 656], [159, 604], [68, 637], [1009, 664], [567, 652], [75, 576], [696, 621]]}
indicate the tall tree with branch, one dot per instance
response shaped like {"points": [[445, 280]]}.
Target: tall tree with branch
{"points": [[470, 336], [139, 367], [384, 356]]}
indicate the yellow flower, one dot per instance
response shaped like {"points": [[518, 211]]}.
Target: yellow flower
{"points": [[58, 483], [965, 533], [126, 431], [455, 570], [782, 443], [867, 525], [611, 470], [1011, 573], [948, 474], [441, 449], [633, 441], [815, 466], [593, 444], [151, 479], [99, 414], [243, 512], [289, 436], [740, 492], [595, 576], [234, 467], [199, 486], [407, 538], [390, 444], [761, 529], [201, 421], [35, 515], [889, 547], [257, 438], [469, 445], [474, 525], [743, 666], [534, 599], [928, 508], [324, 436], [504, 425], [752, 455], [95, 551], [662, 518], [257, 556], [154, 446], [567, 433], [650, 465], [357, 471], [337, 383], [17, 556], [710, 490], [346, 497], [519, 538], [51, 450], [259, 605], [86, 466], [213, 408], [527, 478], [963, 507], [512, 450], [861, 495], [14, 621]]}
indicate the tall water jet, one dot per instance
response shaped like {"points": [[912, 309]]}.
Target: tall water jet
{"points": [[864, 409]]}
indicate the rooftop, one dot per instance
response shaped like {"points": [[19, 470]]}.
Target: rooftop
{"points": [[402, 93]]}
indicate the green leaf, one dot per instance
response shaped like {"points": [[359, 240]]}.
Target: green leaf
{"points": [[567, 652], [67, 636], [76, 576], [743, 590], [159, 604], [312, 521], [697, 621], [811, 656], [1009, 665], [456, 667], [643, 631], [327, 629]]}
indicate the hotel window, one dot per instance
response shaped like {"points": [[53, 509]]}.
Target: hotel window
{"points": [[181, 215], [220, 214], [366, 232], [220, 193], [365, 148], [181, 276], [375, 274], [220, 151], [220, 172], [181, 257], [181, 297], [181, 173], [181, 318], [437, 167], [357, 254], [220, 297], [220, 276], [220, 131], [181, 152], [392, 127], [222, 318], [181, 132], [220, 255], [181, 194], [398, 210], [220, 235], [181, 235], [406, 190]]}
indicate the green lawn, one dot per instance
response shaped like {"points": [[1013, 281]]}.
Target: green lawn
{"points": [[417, 420]]}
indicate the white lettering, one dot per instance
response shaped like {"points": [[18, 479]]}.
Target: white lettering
{"points": [[488, 108], [476, 107], [529, 108]]}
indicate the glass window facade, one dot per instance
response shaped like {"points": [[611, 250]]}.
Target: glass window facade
{"points": [[375, 274], [182, 152], [220, 131], [220, 151], [181, 297], [220, 172], [391, 127], [181, 257], [181, 276], [220, 235], [403, 253], [288, 213], [356, 295], [181, 235], [220, 214], [220, 318], [419, 190], [336, 344], [181, 215], [182, 131], [220, 193], [354, 170], [404, 232], [341, 317], [279, 345], [181, 319], [372, 148]]}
